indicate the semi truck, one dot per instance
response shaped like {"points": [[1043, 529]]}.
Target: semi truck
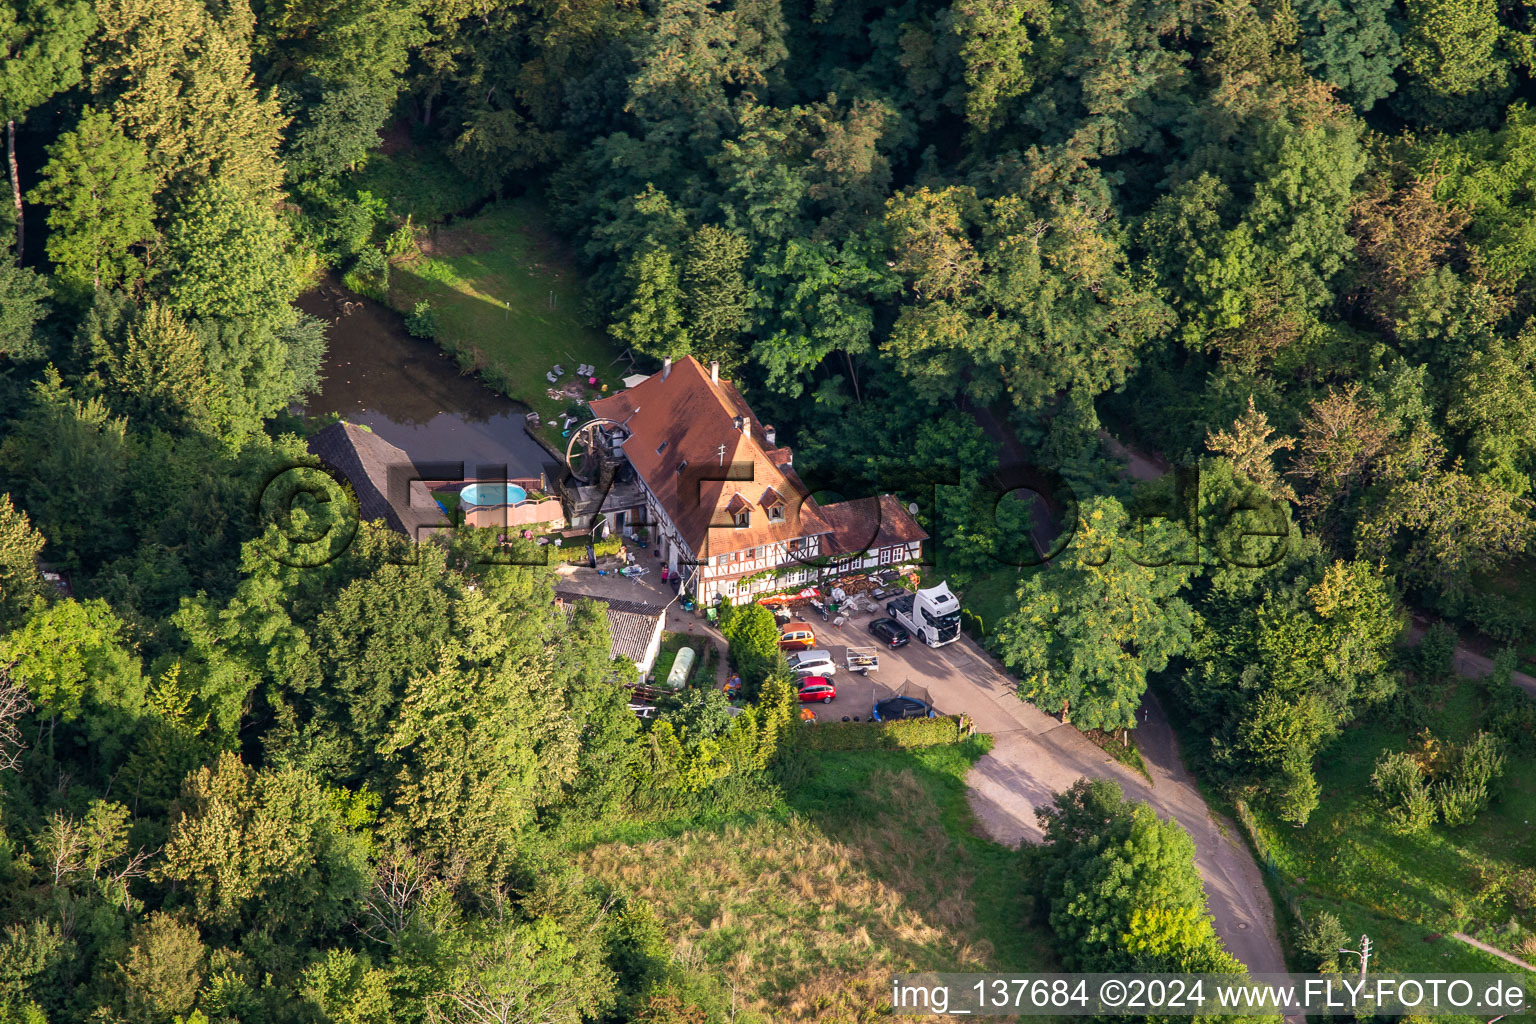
{"points": [[931, 615]]}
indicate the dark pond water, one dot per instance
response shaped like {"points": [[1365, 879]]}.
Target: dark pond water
{"points": [[404, 388]]}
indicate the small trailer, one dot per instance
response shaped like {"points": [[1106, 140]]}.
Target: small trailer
{"points": [[862, 659]]}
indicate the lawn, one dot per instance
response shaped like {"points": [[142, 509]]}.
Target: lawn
{"points": [[508, 301], [1408, 891], [806, 906]]}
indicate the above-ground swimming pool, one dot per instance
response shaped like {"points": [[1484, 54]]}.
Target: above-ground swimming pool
{"points": [[492, 494]]}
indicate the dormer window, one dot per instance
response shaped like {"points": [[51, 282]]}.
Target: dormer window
{"points": [[740, 511], [773, 504]]}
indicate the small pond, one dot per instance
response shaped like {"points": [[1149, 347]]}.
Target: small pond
{"points": [[412, 395]]}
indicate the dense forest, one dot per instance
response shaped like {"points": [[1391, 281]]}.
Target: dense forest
{"points": [[1287, 244]]}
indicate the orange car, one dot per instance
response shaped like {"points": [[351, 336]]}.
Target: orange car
{"points": [[797, 636]]}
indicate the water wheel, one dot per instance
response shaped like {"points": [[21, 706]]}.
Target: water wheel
{"points": [[588, 452]]}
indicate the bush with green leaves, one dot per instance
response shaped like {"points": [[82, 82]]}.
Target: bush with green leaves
{"points": [[1436, 652], [1399, 779], [1321, 937], [905, 735], [422, 320], [1463, 782], [1470, 782], [753, 636], [369, 274]]}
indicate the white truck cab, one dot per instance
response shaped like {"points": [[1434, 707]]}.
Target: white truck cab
{"points": [[931, 615]]}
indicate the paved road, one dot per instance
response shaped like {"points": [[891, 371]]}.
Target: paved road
{"points": [[1034, 757]]}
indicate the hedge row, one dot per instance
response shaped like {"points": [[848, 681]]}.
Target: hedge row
{"points": [[905, 735], [577, 551]]}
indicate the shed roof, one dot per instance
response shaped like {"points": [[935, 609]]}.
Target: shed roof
{"points": [[366, 460], [631, 625]]}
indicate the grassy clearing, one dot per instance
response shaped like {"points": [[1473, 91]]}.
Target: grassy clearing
{"points": [[806, 906], [1409, 891], [508, 302]]}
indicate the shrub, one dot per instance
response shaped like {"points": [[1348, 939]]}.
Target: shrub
{"points": [[753, 636], [1480, 761], [1436, 652], [1469, 785], [401, 240], [973, 624], [1295, 794], [1460, 802], [1399, 778], [422, 320], [905, 735], [1500, 618], [1522, 889], [1509, 713], [369, 274], [1321, 938]]}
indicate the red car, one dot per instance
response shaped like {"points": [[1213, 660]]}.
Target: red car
{"points": [[814, 688]]}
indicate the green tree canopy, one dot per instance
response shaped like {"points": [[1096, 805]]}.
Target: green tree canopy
{"points": [[1090, 627], [100, 193]]}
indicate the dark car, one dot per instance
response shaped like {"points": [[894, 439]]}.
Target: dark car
{"points": [[890, 632], [897, 708]]}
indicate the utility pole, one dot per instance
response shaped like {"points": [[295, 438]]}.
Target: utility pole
{"points": [[1364, 953]]}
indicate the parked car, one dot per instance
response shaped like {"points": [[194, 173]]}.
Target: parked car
{"points": [[797, 636], [890, 632], [812, 663], [817, 688], [894, 709]]}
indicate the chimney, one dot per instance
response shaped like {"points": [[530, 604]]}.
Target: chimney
{"points": [[714, 372], [666, 367], [770, 435]]}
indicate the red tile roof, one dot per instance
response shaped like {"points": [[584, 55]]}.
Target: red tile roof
{"points": [[684, 417]]}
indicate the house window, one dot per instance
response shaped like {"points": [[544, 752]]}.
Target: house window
{"points": [[887, 555]]}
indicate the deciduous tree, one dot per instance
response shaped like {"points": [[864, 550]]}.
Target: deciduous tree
{"points": [[100, 193], [1090, 627], [42, 46]]}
